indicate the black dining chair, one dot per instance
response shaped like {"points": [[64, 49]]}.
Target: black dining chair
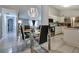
{"points": [[41, 39], [22, 33], [43, 34]]}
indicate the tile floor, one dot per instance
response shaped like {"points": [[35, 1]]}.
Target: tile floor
{"points": [[58, 46]]}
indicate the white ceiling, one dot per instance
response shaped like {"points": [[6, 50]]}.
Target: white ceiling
{"points": [[18, 6], [61, 7]]}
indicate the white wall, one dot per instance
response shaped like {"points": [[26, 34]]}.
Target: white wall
{"points": [[53, 12], [44, 11], [70, 13], [60, 14], [44, 14]]}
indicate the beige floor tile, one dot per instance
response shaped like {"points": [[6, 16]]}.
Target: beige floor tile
{"points": [[66, 49], [56, 43], [45, 45], [26, 51], [55, 51], [76, 50]]}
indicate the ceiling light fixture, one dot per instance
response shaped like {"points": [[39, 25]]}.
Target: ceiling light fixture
{"points": [[33, 12]]}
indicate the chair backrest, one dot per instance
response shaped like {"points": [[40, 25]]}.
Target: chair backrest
{"points": [[26, 27], [22, 33], [43, 34]]}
